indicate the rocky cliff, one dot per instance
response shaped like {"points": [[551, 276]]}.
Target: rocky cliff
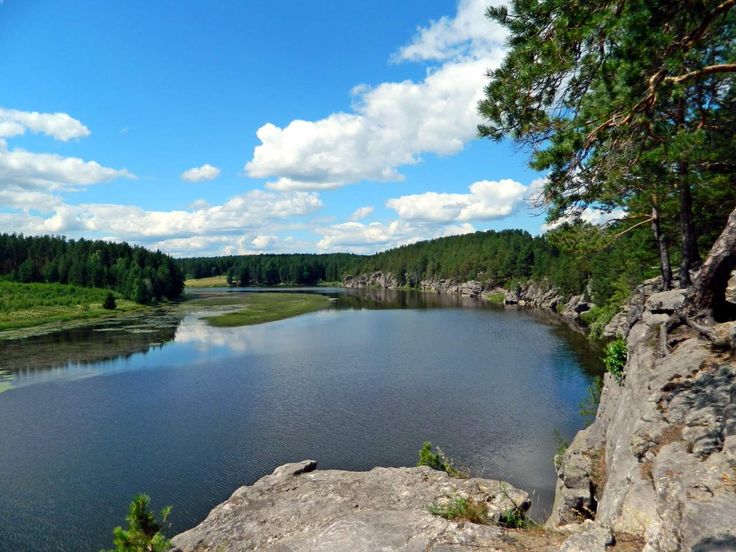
{"points": [[660, 459], [531, 294]]}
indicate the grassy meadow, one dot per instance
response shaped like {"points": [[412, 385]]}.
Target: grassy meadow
{"points": [[212, 281], [260, 307], [26, 305]]}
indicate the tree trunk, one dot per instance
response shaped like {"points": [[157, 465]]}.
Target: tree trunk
{"points": [[664, 257], [690, 255], [710, 285]]}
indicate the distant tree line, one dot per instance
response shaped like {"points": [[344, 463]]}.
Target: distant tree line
{"points": [[135, 272], [576, 258], [269, 270]]}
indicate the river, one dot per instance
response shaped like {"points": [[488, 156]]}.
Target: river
{"points": [[187, 413]]}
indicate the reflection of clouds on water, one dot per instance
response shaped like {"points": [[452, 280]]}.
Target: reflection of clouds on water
{"points": [[195, 331]]}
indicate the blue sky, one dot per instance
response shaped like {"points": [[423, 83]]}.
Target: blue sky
{"points": [[231, 127]]}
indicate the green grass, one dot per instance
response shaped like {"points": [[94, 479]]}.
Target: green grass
{"points": [[495, 297], [460, 508], [262, 307], [27, 305], [212, 281]]}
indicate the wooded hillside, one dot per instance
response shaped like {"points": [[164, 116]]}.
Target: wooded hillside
{"points": [[138, 274]]}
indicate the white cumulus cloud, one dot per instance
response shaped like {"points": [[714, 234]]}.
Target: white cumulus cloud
{"points": [[264, 242], [30, 180], [198, 174], [468, 33], [358, 237], [60, 126], [394, 123], [591, 215], [487, 200], [235, 227]]}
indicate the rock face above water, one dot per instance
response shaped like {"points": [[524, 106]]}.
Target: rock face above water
{"points": [[299, 508], [538, 295], [660, 459]]}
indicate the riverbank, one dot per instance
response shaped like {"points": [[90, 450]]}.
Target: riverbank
{"points": [[659, 460], [255, 308], [540, 295], [34, 308], [212, 281], [28, 310]]}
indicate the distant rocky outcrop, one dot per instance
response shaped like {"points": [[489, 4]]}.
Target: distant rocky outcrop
{"points": [[539, 295], [299, 508]]}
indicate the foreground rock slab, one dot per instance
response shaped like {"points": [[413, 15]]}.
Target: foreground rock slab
{"points": [[297, 508]]}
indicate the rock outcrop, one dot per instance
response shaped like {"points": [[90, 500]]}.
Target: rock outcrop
{"points": [[376, 279], [660, 459], [538, 295], [300, 508]]}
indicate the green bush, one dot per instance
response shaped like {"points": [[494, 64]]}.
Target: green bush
{"points": [[515, 518], [495, 297], [109, 302], [144, 530], [597, 318], [588, 407], [561, 445], [438, 461], [462, 508], [615, 358]]}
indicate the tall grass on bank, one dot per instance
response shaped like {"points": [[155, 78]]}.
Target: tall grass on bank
{"points": [[25, 305], [263, 307]]}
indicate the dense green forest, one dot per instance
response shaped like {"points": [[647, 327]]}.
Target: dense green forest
{"points": [[573, 258], [510, 256], [136, 273], [269, 270]]}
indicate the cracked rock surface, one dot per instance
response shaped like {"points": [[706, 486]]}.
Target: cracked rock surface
{"points": [[660, 459], [300, 508]]}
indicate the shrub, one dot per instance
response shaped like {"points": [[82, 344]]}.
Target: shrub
{"points": [[515, 518], [109, 302], [598, 318], [462, 508], [561, 445], [496, 297], [615, 358], [588, 407], [438, 461], [144, 530]]}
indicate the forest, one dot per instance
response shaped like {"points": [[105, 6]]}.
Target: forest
{"points": [[270, 270], [568, 257], [135, 272]]}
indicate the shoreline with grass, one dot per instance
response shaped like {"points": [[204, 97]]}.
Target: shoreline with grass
{"points": [[247, 309], [28, 309], [32, 309]]}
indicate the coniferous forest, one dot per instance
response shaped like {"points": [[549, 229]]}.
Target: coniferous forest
{"points": [[135, 272]]}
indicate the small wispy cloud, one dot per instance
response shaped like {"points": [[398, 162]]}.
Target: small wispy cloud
{"points": [[198, 174]]}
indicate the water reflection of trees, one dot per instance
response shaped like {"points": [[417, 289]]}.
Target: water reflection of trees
{"points": [[588, 353], [378, 298], [106, 342]]}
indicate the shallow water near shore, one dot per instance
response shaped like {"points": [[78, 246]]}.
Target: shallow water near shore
{"points": [[187, 413]]}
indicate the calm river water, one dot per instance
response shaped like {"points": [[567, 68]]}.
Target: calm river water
{"points": [[188, 413]]}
